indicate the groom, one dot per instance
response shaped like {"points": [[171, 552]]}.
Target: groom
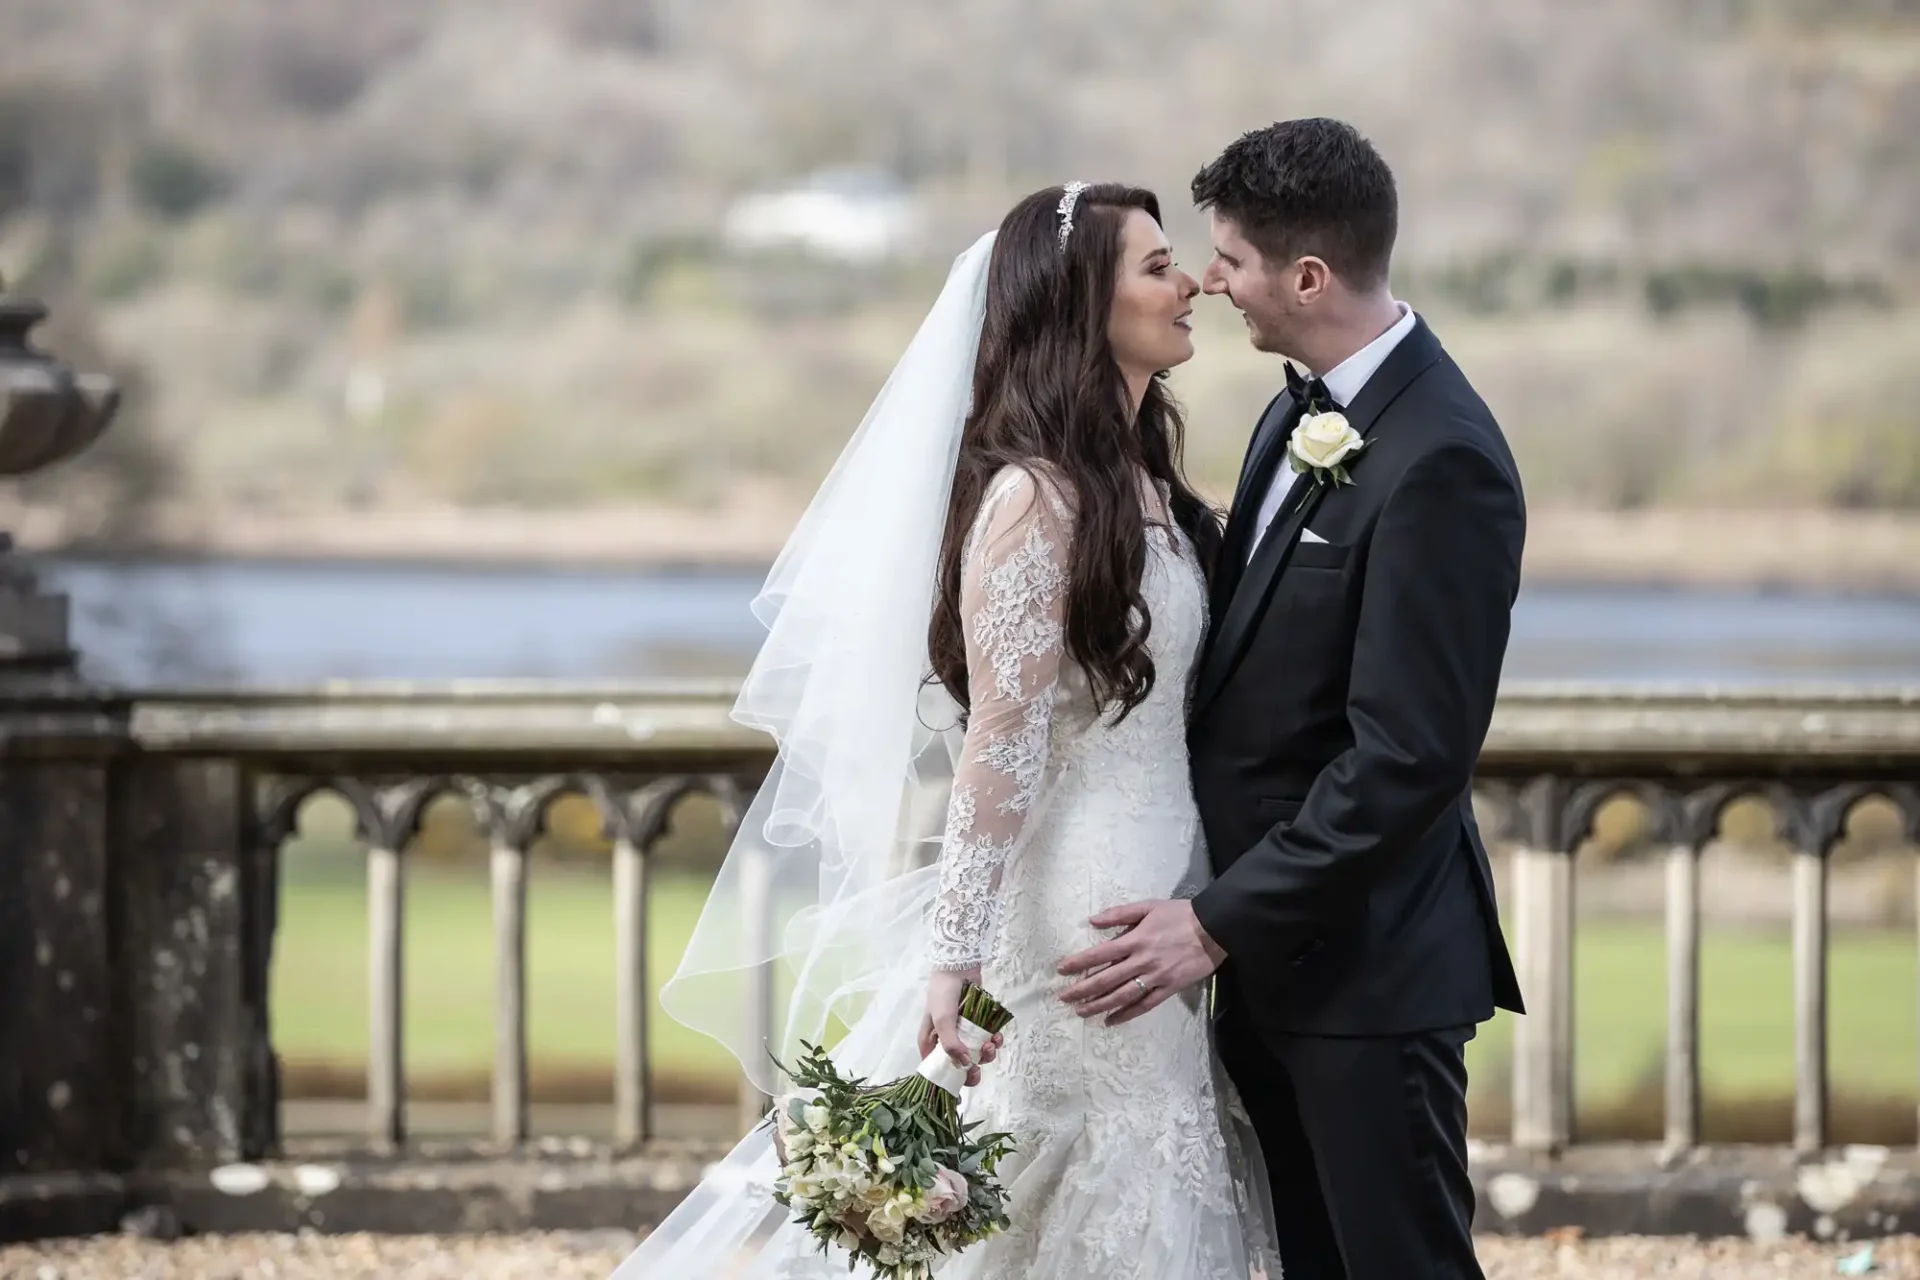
{"points": [[1360, 616]]}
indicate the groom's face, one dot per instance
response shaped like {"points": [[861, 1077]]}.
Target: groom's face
{"points": [[1262, 292]]}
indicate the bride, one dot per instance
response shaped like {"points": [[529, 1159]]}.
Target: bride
{"points": [[981, 640]]}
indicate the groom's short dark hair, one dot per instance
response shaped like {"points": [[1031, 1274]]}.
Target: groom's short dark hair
{"points": [[1304, 187]]}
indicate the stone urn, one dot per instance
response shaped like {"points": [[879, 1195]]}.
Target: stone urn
{"points": [[47, 413]]}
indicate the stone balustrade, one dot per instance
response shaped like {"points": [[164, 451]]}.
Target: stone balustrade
{"points": [[140, 837]]}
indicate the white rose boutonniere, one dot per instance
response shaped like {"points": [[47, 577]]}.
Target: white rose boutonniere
{"points": [[1323, 445]]}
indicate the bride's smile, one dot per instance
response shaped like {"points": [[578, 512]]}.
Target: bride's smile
{"points": [[1151, 325]]}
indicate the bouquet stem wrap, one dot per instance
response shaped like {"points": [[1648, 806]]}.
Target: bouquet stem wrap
{"points": [[942, 1071]]}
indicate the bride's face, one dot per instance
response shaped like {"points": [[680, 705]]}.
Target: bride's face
{"points": [[1150, 326]]}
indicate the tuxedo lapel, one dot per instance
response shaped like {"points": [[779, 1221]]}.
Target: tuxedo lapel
{"points": [[1270, 435], [1249, 594]]}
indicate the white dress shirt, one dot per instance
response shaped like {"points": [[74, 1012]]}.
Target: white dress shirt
{"points": [[1344, 383]]}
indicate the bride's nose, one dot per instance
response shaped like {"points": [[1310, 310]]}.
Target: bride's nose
{"points": [[1189, 287]]}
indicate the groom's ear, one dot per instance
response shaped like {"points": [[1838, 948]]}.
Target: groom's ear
{"points": [[1311, 278]]}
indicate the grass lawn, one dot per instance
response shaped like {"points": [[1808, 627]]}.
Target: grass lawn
{"points": [[319, 988], [320, 968], [1746, 1013]]}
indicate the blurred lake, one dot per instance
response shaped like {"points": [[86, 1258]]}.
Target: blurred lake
{"points": [[261, 622]]}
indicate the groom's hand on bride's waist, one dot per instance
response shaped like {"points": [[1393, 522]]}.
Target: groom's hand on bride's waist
{"points": [[1164, 950]]}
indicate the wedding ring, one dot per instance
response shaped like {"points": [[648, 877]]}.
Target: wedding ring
{"points": [[1145, 990]]}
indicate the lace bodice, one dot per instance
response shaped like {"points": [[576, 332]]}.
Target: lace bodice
{"points": [[1028, 702]]}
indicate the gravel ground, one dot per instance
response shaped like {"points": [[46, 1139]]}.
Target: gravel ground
{"points": [[592, 1255], [1634, 1257], [564, 1256]]}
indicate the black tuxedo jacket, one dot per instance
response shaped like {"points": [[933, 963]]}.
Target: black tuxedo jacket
{"points": [[1339, 712]]}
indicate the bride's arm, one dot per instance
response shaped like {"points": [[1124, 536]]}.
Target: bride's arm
{"points": [[1013, 597]]}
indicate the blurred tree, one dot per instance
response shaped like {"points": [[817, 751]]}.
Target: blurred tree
{"points": [[52, 135], [172, 179]]}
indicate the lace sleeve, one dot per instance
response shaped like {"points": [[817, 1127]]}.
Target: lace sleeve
{"points": [[1013, 601]]}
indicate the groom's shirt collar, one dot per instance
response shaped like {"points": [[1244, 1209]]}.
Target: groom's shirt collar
{"points": [[1350, 375]]}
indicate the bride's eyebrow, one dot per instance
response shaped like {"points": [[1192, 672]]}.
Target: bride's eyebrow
{"points": [[1157, 253]]}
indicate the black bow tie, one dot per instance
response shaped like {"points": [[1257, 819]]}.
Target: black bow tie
{"points": [[1309, 393]]}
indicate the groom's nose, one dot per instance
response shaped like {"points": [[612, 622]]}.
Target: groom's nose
{"points": [[1213, 280]]}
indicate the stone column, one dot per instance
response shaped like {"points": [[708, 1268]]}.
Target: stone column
{"points": [[195, 901], [136, 920], [58, 1080]]}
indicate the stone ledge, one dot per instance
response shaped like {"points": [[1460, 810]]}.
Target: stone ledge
{"points": [[446, 1194], [1854, 1194], [42, 1206]]}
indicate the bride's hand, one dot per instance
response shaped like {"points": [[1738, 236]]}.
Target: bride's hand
{"points": [[940, 1025]]}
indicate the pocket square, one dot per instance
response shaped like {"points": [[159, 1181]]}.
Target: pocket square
{"points": [[1308, 535]]}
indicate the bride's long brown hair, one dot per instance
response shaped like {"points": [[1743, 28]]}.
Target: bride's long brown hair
{"points": [[1048, 394]]}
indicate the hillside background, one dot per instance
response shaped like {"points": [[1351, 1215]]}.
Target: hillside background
{"points": [[1677, 245]]}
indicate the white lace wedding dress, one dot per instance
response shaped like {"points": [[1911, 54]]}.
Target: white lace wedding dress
{"points": [[1133, 1159], [1132, 1163]]}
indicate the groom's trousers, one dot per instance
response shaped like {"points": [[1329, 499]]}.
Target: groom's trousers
{"points": [[1365, 1141]]}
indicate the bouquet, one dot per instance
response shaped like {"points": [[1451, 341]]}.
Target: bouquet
{"points": [[888, 1172]]}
